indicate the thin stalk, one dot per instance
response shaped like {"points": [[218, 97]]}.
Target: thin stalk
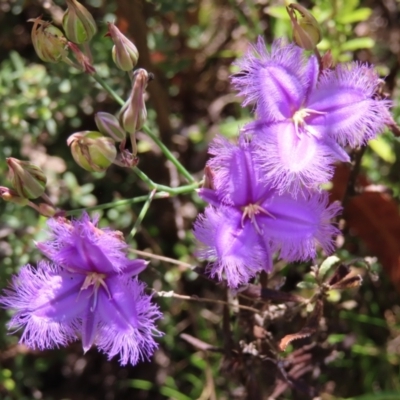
{"points": [[143, 212], [203, 300], [118, 203], [173, 191], [108, 88], [183, 171]]}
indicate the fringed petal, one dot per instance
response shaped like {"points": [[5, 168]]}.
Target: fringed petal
{"points": [[292, 162], [298, 226], [352, 113], [235, 251]]}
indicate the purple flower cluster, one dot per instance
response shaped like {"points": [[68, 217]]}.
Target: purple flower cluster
{"points": [[90, 292], [264, 196]]}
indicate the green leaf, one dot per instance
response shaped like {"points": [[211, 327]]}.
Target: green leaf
{"points": [[358, 43], [383, 149], [306, 285], [327, 265], [140, 384], [361, 14], [278, 12]]}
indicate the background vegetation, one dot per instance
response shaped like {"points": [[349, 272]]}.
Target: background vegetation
{"points": [[210, 350]]}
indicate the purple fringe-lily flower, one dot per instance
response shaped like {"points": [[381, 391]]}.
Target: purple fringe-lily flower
{"points": [[306, 116], [90, 292], [247, 221]]}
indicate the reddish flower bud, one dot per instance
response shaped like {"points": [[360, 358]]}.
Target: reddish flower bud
{"points": [[28, 180], [110, 126], [11, 195], [92, 151], [133, 114], [78, 23], [124, 53]]}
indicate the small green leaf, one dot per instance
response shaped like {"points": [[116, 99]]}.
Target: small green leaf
{"points": [[327, 265], [358, 43], [383, 149], [277, 12], [306, 285], [361, 14]]}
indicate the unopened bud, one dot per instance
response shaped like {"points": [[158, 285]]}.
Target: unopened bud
{"points": [[92, 151], [306, 30], [110, 126], [133, 114], [83, 60], [78, 23], [12, 196], [47, 210], [49, 42], [124, 52], [28, 180]]}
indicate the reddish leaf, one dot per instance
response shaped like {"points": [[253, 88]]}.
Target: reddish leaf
{"points": [[310, 327], [374, 217]]}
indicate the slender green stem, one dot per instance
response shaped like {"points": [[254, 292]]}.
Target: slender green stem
{"points": [[118, 203], [108, 88], [173, 191], [145, 129], [161, 194], [143, 212], [169, 155]]}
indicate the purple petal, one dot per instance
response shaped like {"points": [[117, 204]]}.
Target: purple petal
{"points": [[236, 253], [135, 267], [298, 225], [81, 246], [353, 114], [235, 174], [47, 305], [291, 161], [275, 82], [132, 342]]}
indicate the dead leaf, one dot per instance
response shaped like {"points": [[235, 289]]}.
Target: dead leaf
{"points": [[374, 218], [310, 327]]}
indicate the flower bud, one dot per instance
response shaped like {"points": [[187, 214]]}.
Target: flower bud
{"points": [[28, 180], [124, 52], [78, 23], [110, 126], [133, 114], [10, 195], [49, 42], [84, 63], [47, 210], [92, 151], [306, 31]]}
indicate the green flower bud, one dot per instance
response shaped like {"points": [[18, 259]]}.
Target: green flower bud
{"points": [[124, 52], [133, 114], [92, 151], [306, 30], [28, 180], [110, 126], [49, 42], [78, 23], [10, 195]]}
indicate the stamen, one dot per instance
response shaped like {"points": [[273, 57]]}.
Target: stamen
{"points": [[97, 280], [251, 211], [299, 120]]}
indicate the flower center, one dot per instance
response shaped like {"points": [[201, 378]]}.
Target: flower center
{"points": [[300, 125], [251, 211], [97, 280]]}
